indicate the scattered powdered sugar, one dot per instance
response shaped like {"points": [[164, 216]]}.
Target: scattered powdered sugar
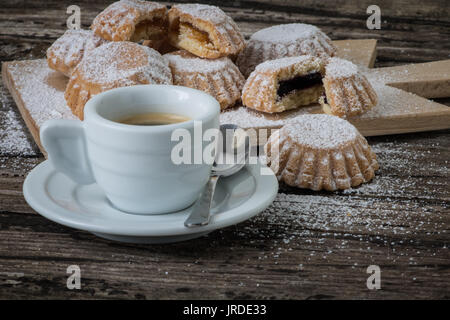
{"points": [[340, 68], [320, 131], [41, 89], [388, 211], [69, 47], [13, 140], [399, 161], [19, 165], [249, 118], [393, 101], [353, 230], [190, 63], [286, 33], [382, 77], [273, 65], [301, 214], [205, 12], [119, 61]]}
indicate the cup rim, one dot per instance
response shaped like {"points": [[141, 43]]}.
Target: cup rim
{"points": [[91, 112]]}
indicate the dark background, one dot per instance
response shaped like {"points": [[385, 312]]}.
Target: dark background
{"points": [[306, 245]]}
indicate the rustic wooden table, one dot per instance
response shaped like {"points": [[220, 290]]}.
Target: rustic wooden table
{"points": [[307, 245]]}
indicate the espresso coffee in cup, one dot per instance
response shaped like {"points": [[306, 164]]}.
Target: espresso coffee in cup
{"points": [[153, 119], [133, 164]]}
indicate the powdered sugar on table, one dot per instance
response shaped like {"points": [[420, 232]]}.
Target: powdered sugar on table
{"points": [[13, 140], [42, 90]]}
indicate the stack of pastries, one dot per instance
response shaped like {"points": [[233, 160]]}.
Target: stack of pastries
{"points": [[141, 42], [280, 68]]}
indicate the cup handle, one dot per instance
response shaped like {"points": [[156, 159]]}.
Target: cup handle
{"points": [[65, 143]]}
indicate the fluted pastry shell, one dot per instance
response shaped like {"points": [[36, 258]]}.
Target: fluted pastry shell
{"points": [[220, 77], [205, 31], [113, 65], [286, 40], [320, 152], [348, 92], [260, 91], [68, 50], [133, 20]]}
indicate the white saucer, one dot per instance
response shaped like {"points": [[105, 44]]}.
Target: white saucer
{"points": [[85, 207]]}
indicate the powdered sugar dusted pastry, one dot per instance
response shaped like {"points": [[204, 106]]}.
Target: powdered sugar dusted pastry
{"points": [[286, 40], [133, 20], [68, 50], [113, 65], [284, 84], [203, 30], [218, 77], [320, 152], [348, 92]]}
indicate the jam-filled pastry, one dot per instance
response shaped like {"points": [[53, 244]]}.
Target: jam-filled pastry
{"points": [[205, 31], [286, 40], [320, 152], [113, 65], [347, 91], [220, 77], [68, 50], [284, 84], [133, 20]]}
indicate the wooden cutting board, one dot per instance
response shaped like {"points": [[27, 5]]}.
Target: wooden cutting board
{"points": [[39, 94]]}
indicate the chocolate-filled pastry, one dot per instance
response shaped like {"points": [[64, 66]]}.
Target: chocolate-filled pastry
{"points": [[206, 31], [347, 91], [133, 20], [299, 83], [68, 50], [285, 40], [114, 65], [319, 151], [220, 77], [284, 84]]}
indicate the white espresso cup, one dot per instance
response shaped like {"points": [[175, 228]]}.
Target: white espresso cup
{"points": [[132, 164]]}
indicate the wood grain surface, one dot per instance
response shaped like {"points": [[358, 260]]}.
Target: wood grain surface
{"points": [[307, 245]]}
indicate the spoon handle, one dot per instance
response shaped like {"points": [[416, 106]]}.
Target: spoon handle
{"points": [[200, 212]]}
